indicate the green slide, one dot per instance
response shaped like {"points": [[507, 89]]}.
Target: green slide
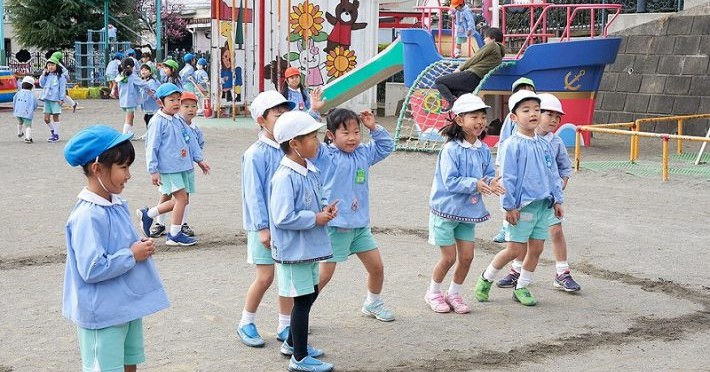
{"points": [[365, 76]]}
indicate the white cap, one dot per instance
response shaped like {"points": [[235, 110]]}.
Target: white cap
{"points": [[468, 102], [266, 100], [29, 79], [293, 124], [520, 96], [549, 102]]}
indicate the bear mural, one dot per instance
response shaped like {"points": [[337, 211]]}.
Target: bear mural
{"points": [[344, 23]]}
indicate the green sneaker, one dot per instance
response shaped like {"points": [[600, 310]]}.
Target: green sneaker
{"points": [[523, 296], [483, 286]]}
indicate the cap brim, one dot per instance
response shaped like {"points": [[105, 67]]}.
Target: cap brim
{"points": [[311, 128], [122, 138]]}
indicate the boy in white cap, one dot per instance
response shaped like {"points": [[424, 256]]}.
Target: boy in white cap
{"points": [[299, 215], [24, 105], [533, 190]]}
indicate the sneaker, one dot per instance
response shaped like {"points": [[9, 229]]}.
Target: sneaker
{"points": [[53, 138], [187, 230], [28, 140], [180, 239], [509, 280], [283, 335], [437, 302], [500, 238], [146, 221], [378, 311], [457, 304], [73, 107], [523, 296], [312, 352], [565, 282], [157, 230], [250, 336], [483, 286], [19, 135], [309, 364]]}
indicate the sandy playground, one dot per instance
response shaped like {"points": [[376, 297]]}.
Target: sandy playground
{"points": [[637, 245]]}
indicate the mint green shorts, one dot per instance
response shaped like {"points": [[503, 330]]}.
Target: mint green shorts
{"points": [[257, 253], [109, 349], [446, 232], [461, 40], [26, 122], [128, 109], [554, 220], [52, 107], [171, 182], [348, 241], [297, 279], [534, 223]]}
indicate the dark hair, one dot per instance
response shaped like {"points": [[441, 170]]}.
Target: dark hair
{"points": [[494, 33], [27, 86], [123, 153], [337, 118], [301, 87], [266, 112], [147, 54], [147, 67], [127, 65], [59, 69], [174, 76], [454, 132], [521, 101], [521, 86], [286, 147]]}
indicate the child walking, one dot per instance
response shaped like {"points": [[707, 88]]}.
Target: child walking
{"points": [[259, 163], [170, 150], [533, 190], [110, 280], [294, 90], [345, 164], [112, 71], [464, 174], [149, 103], [299, 215], [24, 105], [54, 88], [129, 92], [202, 81]]}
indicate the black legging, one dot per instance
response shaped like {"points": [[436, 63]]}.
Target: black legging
{"points": [[453, 85], [147, 118], [298, 335]]}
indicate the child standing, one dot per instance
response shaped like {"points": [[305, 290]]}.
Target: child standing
{"points": [[112, 71], [294, 90], [24, 105], [299, 215], [202, 81], [530, 176], [149, 104], [464, 23], [54, 88], [65, 71], [464, 174], [110, 280], [345, 163], [187, 73], [170, 73], [259, 163], [129, 92], [170, 150]]}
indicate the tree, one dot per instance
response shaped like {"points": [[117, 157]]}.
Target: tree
{"points": [[174, 25], [58, 24]]}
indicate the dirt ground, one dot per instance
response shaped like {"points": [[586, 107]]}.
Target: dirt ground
{"points": [[638, 247]]}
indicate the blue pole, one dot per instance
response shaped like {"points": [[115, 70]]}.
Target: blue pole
{"points": [[158, 31], [3, 62], [106, 41]]}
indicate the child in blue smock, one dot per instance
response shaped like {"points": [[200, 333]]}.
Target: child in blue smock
{"points": [[202, 84], [170, 150], [294, 90], [465, 24], [24, 105], [464, 174], [170, 73], [110, 280], [259, 163], [112, 71], [130, 86], [188, 71], [531, 179], [54, 88], [299, 214], [345, 164], [149, 103]]}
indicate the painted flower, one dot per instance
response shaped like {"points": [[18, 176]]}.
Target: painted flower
{"points": [[339, 61], [306, 22]]}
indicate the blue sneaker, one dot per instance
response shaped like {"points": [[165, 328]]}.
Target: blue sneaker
{"points": [[146, 222], [312, 352], [309, 364], [509, 281], [566, 283], [283, 335], [500, 238], [377, 310], [250, 336], [180, 239]]}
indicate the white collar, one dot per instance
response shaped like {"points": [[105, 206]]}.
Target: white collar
{"points": [[517, 133], [95, 198], [268, 141], [547, 136], [285, 161], [467, 145], [294, 90], [169, 117]]}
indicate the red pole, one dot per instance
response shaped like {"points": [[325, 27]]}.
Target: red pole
{"points": [[262, 43]]}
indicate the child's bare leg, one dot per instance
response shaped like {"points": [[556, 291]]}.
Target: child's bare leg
{"points": [[446, 261], [180, 198], [129, 118], [325, 273], [132, 368], [511, 251], [374, 306], [465, 251], [559, 244], [262, 282]]}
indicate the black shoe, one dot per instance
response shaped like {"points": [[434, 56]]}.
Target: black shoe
{"points": [[28, 140], [187, 230], [73, 107]]}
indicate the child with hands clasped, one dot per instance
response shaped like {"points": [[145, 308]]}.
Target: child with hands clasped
{"points": [[299, 214], [464, 174], [259, 163], [171, 148], [530, 177], [345, 164], [54, 88], [110, 281]]}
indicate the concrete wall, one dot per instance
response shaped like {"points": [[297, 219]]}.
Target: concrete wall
{"points": [[661, 69]]}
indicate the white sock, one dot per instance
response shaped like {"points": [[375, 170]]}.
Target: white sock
{"points": [[372, 297], [28, 132], [434, 287], [525, 279], [51, 127], [284, 321], [153, 212], [56, 127], [490, 273], [175, 229], [184, 214], [454, 288], [161, 218], [19, 128], [127, 128], [561, 267], [517, 266], [247, 318]]}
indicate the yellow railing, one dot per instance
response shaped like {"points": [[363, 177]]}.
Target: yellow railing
{"points": [[634, 131]]}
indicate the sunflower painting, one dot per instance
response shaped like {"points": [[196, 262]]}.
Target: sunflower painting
{"points": [[306, 22], [339, 61]]}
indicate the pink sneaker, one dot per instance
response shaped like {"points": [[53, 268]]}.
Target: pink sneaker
{"points": [[456, 303], [437, 302]]}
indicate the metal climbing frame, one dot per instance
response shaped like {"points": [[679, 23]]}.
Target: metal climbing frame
{"points": [[91, 60]]}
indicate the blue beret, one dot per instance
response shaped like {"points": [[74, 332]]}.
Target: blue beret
{"points": [[91, 142], [167, 89]]}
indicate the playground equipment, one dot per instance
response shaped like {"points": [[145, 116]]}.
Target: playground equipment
{"points": [[90, 58], [634, 132], [8, 85]]}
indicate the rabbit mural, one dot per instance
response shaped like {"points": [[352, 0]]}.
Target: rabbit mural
{"points": [[309, 59]]}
